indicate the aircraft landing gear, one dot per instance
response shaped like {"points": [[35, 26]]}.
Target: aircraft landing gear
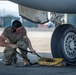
{"points": [[63, 43]]}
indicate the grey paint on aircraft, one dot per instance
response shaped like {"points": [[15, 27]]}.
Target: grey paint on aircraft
{"points": [[60, 6]]}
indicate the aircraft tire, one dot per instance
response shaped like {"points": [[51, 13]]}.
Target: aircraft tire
{"points": [[63, 37], [54, 41]]}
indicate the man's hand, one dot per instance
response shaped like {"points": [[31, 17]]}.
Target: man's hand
{"points": [[33, 51]]}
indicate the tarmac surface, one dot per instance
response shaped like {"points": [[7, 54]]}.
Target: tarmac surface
{"points": [[41, 42], [36, 70]]}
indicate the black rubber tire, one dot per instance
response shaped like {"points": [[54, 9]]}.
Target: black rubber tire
{"points": [[57, 42], [54, 41]]}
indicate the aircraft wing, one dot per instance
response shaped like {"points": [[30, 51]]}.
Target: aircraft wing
{"points": [[33, 15], [36, 10], [60, 6]]}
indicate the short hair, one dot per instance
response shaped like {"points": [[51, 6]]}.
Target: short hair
{"points": [[16, 23]]}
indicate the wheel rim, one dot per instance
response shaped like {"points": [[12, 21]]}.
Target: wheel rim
{"points": [[70, 45]]}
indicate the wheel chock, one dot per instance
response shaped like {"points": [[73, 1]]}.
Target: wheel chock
{"points": [[51, 62]]}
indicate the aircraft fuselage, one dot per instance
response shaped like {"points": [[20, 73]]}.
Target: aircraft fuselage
{"points": [[60, 6]]}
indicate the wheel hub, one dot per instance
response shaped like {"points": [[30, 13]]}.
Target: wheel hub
{"points": [[70, 45]]}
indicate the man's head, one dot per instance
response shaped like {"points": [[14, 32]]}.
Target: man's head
{"points": [[16, 26]]}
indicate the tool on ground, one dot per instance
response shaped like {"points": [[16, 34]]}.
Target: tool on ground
{"points": [[25, 57], [29, 52], [21, 55], [43, 60]]}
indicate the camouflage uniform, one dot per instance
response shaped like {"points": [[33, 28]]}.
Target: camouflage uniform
{"points": [[9, 54]]}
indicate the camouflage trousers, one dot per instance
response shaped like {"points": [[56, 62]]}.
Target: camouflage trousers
{"points": [[10, 55]]}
